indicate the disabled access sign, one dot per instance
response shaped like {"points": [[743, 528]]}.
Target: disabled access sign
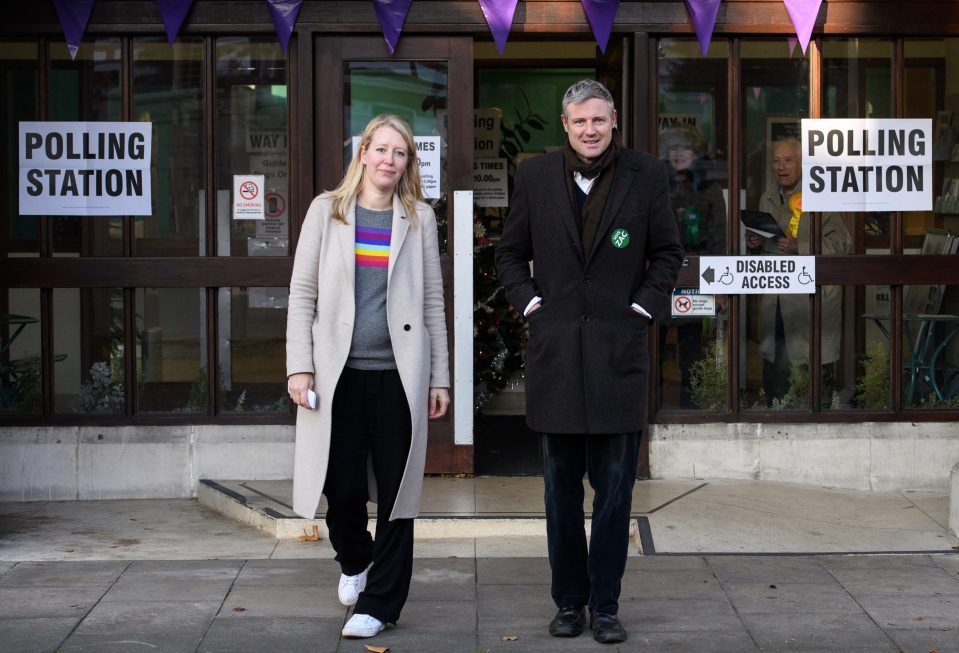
{"points": [[757, 275]]}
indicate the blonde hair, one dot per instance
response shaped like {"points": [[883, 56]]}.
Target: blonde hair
{"points": [[408, 188]]}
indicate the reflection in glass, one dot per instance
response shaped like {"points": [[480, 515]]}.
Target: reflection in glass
{"points": [[775, 341], [931, 90], [416, 91], [252, 138], [252, 374], [171, 361], [692, 122], [930, 347], [20, 371], [168, 91], [873, 389], [19, 88], [88, 352], [87, 88]]}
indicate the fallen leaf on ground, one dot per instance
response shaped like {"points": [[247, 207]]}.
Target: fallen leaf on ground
{"points": [[239, 609], [377, 649], [918, 618], [508, 638], [315, 537]]}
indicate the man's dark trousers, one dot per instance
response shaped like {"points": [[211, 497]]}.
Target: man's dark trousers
{"points": [[580, 578]]}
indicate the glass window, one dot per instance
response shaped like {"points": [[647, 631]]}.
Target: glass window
{"points": [[88, 351], [87, 88], [252, 138], [172, 357], [416, 92], [20, 370], [19, 87], [168, 92], [693, 119], [857, 83], [252, 374], [774, 340]]}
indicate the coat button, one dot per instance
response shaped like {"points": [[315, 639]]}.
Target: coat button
{"points": [[585, 317], [406, 327], [585, 279]]}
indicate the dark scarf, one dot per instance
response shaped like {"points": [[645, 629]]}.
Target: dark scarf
{"points": [[605, 167]]}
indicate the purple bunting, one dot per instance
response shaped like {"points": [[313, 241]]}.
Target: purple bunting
{"points": [[74, 16], [499, 16], [803, 15], [284, 13], [392, 15], [601, 14], [703, 14], [173, 13]]}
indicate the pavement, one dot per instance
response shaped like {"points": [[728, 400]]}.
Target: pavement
{"points": [[726, 566]]}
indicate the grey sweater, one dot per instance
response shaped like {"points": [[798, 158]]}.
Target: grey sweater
{"points": [[371, 348]]}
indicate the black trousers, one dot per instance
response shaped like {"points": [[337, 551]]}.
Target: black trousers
{"points": [[371, 422], [579, 576]]}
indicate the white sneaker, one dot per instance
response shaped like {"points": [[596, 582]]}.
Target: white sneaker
{"points": [[350, 587], [362, 625]]}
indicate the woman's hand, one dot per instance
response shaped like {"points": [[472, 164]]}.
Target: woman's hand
{"points": [[298, 385], [754, 241], [439, 402]]}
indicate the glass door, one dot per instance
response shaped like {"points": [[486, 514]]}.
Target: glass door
{"points": [[427, 82]]}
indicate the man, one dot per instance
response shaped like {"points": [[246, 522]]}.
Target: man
{"points": [[785, 334], [595, 219]]}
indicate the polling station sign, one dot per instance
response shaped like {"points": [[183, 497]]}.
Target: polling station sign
{"points": [[757, 275], [867, 164], [85, 168]]}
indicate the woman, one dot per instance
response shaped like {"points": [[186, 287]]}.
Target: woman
{"points": [[366, 332], [701, 214]]}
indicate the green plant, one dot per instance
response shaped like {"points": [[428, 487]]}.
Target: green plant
{"points": [[708, 378], [105, 390], [797, 396], [872, 388]]}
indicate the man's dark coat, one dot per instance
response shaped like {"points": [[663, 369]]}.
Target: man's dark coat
{"points": [[587, 361]]}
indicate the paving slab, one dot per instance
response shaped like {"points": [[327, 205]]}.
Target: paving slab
{"points": [[769, 569], [153, 626], [818, 632], [759, 598], [925, 640], [670, 584], [289, 573], [35, 634], [512, 571], [671, 615], [278, 601], [912, 611], [41, 602], [704, 641], [87, 573], [444, 625], [259, 634]]}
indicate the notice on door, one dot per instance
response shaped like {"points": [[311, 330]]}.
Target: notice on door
{"points": [[489, 182], [248, 202], [429, 154]]}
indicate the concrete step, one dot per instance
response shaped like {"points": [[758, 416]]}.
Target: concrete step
{"points": [[266, 506]]}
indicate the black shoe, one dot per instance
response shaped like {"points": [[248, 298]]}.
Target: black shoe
{"points": [[568, 622], [606, 628]]}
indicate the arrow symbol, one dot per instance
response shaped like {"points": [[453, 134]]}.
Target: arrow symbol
{"points": [[709, 275]]}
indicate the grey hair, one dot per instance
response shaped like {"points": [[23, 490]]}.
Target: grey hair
{"points": [[587, 89]]}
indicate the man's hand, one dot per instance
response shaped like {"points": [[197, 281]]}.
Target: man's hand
{"points": [[754, 241], [535, 307], [788, 245], [298, 385], [439, 402]]}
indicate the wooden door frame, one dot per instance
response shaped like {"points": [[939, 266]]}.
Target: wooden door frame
{"points": [[443, 456]]}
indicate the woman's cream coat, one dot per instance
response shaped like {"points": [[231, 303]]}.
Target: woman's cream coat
{"points": [[319, 330]]}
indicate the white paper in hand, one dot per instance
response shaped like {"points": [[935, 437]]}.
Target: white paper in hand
{"points": [[311, 398]]}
